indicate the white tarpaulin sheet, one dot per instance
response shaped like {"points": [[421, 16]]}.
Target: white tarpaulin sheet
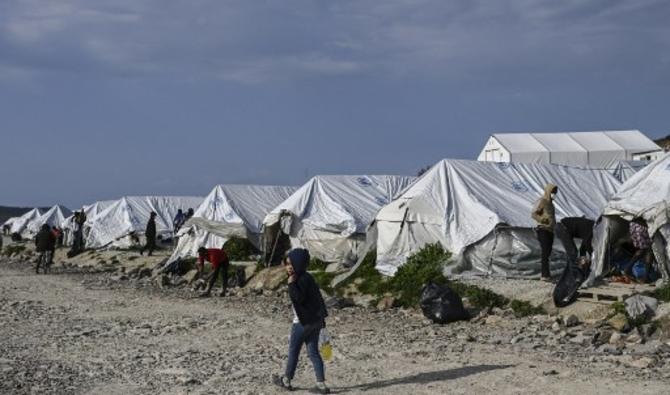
{"points": [[53, 217], [646, 194], [229, 210], [329, 215], [626, 168], [20, 224], [460, 203], [91, 211], [130, 215]]}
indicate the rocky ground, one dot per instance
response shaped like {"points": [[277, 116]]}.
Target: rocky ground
{"points": [[94, 329]]}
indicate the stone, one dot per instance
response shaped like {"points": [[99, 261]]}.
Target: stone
{"points": [[270, 279], [615, 338], [641, 363], [493, 320], [634, 338], [121, 277], [249, 272], [385, 303], [144, 272], [571, 320], [579, 339], [647, 330], [190, 276], [178, 281], [619, 322], [556, 327], [162, 281], [610, 349]]}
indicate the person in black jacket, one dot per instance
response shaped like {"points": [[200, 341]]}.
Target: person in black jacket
{"points": [[310, 314], [580, 228], [45, 244], [150, 234]]}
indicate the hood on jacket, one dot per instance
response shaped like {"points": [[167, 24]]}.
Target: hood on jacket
{"points": [[299, 260], [549, 189]]}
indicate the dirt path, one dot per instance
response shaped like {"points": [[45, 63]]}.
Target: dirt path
{"points": [[73, 334]]}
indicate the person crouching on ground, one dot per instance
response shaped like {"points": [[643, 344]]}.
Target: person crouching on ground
{"points": [[309, 313], [45, 244], [545, 216], [219, 260]]}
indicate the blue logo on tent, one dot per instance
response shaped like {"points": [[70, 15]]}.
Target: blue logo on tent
{"points": [[503, 165], [364, 181], [520, 186], [229, 216], [382, 201]]}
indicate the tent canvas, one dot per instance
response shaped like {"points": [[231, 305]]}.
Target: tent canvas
{"points": [[229, 210], [647, 195], [480, 211], [20, 224], [330, 214], [53, 217], [91, 211], [625, 169], [129, 215]]}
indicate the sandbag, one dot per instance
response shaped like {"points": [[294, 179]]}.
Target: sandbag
{"points": [[442, 305], [566, 289]]}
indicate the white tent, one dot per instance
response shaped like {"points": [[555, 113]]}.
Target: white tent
{"points": [[129, 215], [480, 212], [229, 210], [53, 217], [625, 169], [20, 224], [329, 215], [91, 211], [647, 195], [598, 150]]}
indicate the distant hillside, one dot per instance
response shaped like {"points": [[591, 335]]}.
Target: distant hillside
{"points": [[664, 142], [9, 212]]}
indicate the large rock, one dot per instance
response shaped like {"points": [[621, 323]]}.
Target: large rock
{"points": [[570, 320], [619, 322], [249, 272], [385, 303], [270, 279], [190, 276]]}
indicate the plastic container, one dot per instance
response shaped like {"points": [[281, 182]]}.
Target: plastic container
{"points": [[325, 346]]}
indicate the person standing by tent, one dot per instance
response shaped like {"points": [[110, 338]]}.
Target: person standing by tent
{"points": [[579, 228], [150, 235], [544, 214], [309, 317], [45, 244], [79, 221], [220, 264], [178, 221]]}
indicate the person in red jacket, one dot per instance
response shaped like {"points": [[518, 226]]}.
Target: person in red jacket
{"points": [[219, 260]]}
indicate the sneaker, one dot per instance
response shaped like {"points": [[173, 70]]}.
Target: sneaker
{"points": [[322, 388], [283, 382]]}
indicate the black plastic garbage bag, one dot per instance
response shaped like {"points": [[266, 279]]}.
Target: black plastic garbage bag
{"points": [[568, 285], [442, 305]]}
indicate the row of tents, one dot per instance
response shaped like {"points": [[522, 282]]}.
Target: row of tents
{"points": [[480, 211]]}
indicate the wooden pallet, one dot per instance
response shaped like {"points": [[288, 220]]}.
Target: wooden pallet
{"points": [[612, 292]]}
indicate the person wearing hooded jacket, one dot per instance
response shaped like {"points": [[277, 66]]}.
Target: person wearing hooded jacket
{"points": [[150, 235], [309, 318], [544, 214], [45, 244]]}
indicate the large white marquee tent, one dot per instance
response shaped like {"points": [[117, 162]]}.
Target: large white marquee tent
{"points": [[53, 217], [481, 212], [598, 150], [20, 224]]}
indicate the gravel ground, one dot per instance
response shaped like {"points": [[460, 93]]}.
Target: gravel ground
{"points": [[77, 332]]}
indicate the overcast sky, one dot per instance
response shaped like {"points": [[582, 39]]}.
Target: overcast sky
{"points": [[103, 98]]}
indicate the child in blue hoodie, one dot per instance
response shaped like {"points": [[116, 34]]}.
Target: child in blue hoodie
{"points": [[310, 314]]}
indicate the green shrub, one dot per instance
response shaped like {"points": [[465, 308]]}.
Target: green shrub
{"points": [[239, 249], [13, 250], [324, 279], [421, 268], [478, 297], [663, 293], [316, 264], [523, 308], [369, 281]]}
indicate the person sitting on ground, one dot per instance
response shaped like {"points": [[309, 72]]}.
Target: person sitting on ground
{"points": [[639, 234], [309, 317], [189, 214], [178, 221], [45, 244], [150, 235], [220, 264], [545, 215]]}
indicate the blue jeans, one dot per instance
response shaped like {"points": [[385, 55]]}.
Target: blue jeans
{"points": [[295, 344]]}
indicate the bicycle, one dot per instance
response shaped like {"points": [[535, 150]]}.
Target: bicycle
{"points": [[44, 260]]}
